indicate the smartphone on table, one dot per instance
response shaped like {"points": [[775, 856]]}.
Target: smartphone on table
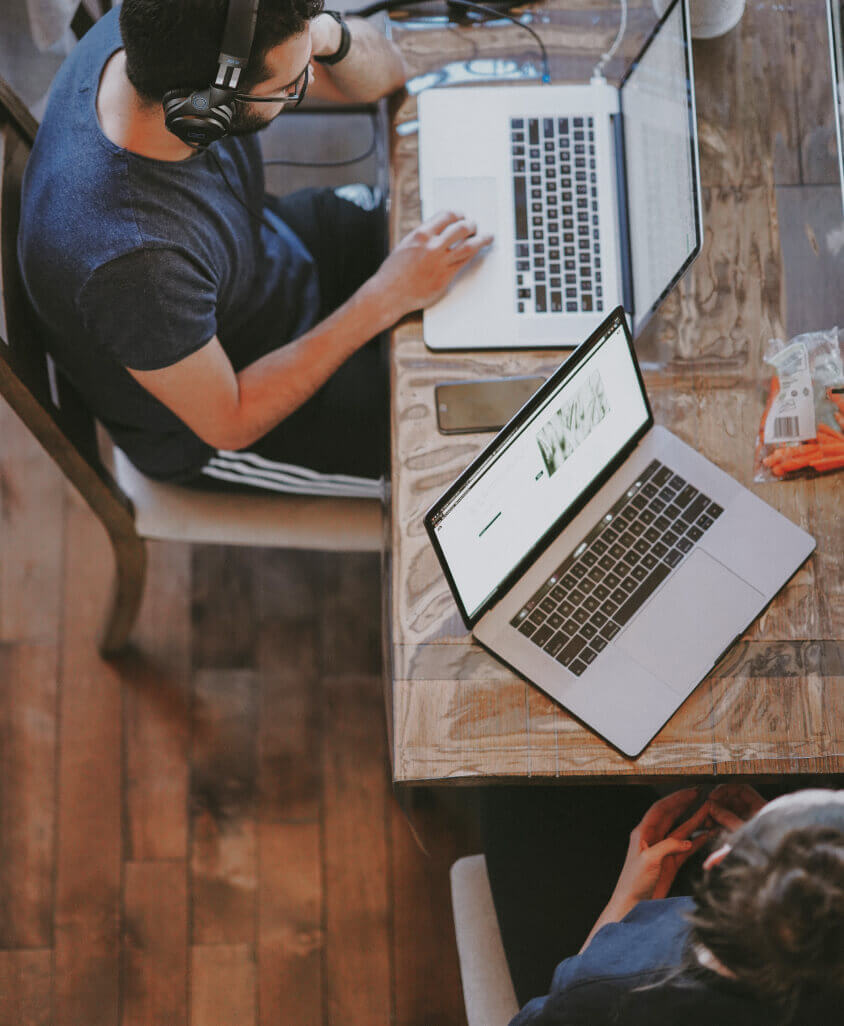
{"points": [[485, 405]]}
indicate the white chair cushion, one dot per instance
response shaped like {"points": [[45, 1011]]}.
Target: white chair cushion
{"points": [[487, 987], [165, 511]]}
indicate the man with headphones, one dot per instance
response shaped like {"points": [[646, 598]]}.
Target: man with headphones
{"points": [[218, 333]]}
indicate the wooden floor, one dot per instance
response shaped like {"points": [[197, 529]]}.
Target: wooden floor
{"points": [[205, 831]]}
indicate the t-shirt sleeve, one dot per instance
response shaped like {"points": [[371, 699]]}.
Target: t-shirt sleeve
{"points": [[149, 308], [533, 1014]]}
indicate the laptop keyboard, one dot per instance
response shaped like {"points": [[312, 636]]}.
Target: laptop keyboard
{"points": [[555, 189], [624, 558]]}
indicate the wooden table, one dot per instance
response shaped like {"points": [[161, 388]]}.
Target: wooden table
{"points": [[772, 265]]}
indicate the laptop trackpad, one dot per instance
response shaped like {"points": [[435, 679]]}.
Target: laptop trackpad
{"points": [[690, 622], [475, 198]]}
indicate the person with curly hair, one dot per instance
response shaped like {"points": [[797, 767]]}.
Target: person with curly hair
{"points": [[759, 942]]}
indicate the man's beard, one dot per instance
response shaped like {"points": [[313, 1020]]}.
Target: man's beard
{"points": [[245, 121]]}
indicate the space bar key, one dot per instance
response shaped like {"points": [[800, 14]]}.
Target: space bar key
{"points": [[646, 588]]}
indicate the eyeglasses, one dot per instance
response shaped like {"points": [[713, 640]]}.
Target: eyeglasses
{"points": [[299, 86]]}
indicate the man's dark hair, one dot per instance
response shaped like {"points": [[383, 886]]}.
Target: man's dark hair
{"points": [[174, 44], [775, 918]]}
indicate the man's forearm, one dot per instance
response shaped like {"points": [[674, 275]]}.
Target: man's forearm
{"points": [[372, 68], [279, 383]]}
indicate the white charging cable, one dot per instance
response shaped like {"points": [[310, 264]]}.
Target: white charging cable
{"points": [[598, 72]]}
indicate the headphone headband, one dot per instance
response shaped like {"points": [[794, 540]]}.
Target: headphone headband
{"points": [[236, 46]]}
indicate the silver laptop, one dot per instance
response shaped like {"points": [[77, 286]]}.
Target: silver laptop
{"points": [[592, 192], [602, 558]]}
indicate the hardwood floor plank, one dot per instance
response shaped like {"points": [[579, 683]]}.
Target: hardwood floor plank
{"points": [[224, 606], [156, 710], [155, 944], [289, 723], [288, 588], [223, 985], [31, 535], [355, 807], [356, 858], [351, 617], [426, 838], [88, 859], [222, 796], [28, 707], [290, 936], [25, 988]]}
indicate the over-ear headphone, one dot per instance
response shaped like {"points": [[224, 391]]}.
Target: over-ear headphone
{"points": [[203, 116]]}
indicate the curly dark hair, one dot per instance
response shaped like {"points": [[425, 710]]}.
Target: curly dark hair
{"points": [[174, 44], [775, 918]]}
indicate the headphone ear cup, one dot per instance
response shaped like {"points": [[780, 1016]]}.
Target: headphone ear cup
{"points": [[194, 118]]}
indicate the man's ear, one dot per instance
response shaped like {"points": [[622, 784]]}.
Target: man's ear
{"points": [[717, 856]]}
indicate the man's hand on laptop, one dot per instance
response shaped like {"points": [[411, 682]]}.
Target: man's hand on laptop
{"points": [[422, 266]]}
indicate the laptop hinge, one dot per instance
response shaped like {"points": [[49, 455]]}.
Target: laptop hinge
{"points": [[617, 121]]}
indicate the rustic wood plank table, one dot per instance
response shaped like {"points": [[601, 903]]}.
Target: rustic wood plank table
{"points": [[775, 703]]}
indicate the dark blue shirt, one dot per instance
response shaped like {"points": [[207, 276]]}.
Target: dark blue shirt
{"points": [[633, 974], [133, 262]]}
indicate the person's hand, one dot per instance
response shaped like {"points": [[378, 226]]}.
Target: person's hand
{"points": [[422, 266], [658, 848], [733, 803]]}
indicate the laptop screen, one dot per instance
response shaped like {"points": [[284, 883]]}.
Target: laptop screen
{"points": [[662, 178], [539, 466]]}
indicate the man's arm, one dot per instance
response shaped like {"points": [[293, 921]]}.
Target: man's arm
{"points": [[372, 68], [231, 411]]}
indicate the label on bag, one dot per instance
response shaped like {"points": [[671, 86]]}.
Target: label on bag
{"points": [[791, 417]]}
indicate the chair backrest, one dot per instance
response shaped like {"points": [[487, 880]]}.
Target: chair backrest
{"points": [[41, 397], [488, 992]]}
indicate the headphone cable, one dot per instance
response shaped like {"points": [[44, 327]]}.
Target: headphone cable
{"points": [[289, 163], [389, 5], [330, 163], [253, 214]]}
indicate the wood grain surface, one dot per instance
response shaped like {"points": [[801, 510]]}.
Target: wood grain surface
{"points": [[157, 711], [89, 836], [456, 712], [155, 943], [223, 985], [25, 994], [290, 890], [214, 844], [31, 528], [224, 866], [357, 951], [28, 706]]}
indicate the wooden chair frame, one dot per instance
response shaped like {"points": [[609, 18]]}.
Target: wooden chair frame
{"points": [[46, 403]]}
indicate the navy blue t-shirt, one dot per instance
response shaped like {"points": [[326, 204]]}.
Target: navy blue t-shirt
{"points": [[133, 262], [632, 974]]}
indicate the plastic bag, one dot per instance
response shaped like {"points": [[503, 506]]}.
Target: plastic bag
{"points": [[802, 427]]}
